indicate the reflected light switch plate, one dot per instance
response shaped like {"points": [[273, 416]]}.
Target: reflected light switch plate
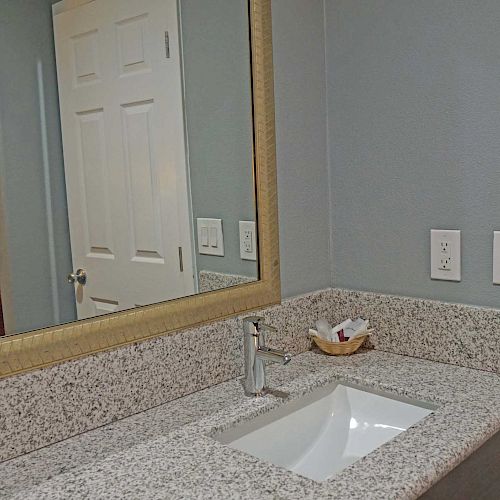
{"points": [[210, 237]]}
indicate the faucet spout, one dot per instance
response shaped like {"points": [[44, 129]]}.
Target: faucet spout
{"points": [[273, 355]]}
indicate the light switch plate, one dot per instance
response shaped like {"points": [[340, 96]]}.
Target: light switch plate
{"points": [[248, 240], [210, 237], [446, 255], [496, 257]]}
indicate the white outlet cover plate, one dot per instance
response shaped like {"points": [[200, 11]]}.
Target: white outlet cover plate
{"points": [[452, 237], [206, 229], [248, 233], [496, 257]]}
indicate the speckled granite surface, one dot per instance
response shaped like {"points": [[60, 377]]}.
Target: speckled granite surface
{"points": [[210, 280], [45, 406], [450, 333], [167, 452]]}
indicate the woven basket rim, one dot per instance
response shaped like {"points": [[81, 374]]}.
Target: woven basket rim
{"points": [[369, 331], [340, 348]]}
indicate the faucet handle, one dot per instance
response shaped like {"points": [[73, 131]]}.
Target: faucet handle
{"points": [[267, 328], [263, 331], [255, 326], [252, 325]]}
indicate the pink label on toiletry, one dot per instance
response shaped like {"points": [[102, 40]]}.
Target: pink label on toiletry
{"points": [[341, 336]]}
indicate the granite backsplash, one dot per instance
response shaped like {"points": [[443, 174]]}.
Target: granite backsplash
{"points": [[45, 406]]}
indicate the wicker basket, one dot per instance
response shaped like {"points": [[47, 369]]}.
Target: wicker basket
{"points": [[340, 348]]}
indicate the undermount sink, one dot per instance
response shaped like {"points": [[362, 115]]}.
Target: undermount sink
{"points": [[320, 434]]}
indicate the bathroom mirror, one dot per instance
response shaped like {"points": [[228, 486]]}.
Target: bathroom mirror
{"points": [[136, 150]]}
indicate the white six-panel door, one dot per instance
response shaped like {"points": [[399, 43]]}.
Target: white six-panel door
{"points": [[120, 91]]}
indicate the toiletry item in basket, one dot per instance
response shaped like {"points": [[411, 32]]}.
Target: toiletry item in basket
{"points": [[356, 328], [338, 331], [324, 329]]}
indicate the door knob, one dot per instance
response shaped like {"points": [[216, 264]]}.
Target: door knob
{"points": [[79, 277]]}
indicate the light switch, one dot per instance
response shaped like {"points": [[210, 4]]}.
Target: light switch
{"points": [[210, 237], [248, 240], [204, 237], [213, 237]]}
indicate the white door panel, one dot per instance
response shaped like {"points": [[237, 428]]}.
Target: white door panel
{"points": [[124, 150]]}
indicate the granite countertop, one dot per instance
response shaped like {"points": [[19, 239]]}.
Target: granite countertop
{"points": [[168, 452]]}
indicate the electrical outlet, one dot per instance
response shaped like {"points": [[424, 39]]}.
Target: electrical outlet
{"points": [[248, 240], [445, 248], [496, 257], [445, 255], [445, 264]]}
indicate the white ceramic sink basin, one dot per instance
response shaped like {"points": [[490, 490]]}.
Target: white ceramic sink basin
{"points": [[322, 433]]}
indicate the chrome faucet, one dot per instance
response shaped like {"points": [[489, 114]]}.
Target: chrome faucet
{"points": [[257, 353]]}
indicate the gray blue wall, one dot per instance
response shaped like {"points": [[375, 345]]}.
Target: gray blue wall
{"points": [[414, 142], [299, 67], [26, 38], [216, 59]]}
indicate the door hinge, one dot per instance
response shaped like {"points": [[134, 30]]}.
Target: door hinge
{"points": [[167, 45], [181, 262]]}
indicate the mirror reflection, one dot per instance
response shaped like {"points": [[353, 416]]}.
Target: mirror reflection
{"points": [[126, 155]]}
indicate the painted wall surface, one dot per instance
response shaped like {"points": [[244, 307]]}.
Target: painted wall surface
{"points": [[299, 67], [414, 140], [217, 80], [26, 40]]}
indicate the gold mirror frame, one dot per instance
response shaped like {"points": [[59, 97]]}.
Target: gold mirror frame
{"points": [[40, 348]]}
